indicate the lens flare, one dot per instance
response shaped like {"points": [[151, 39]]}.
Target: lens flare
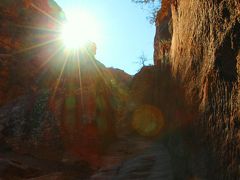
{"points": [[148, 121]]}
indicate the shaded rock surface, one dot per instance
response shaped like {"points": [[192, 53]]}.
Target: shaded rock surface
{"points": [[164, 30], [19, 166], [50, 107], [145, 163], [156, 86], [204, 57], [80, 121], [27, 40]]}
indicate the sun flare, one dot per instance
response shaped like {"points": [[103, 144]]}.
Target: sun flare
{"points": [[80, 28]]}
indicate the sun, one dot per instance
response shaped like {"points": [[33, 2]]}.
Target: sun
{"points": [[80, 28]]}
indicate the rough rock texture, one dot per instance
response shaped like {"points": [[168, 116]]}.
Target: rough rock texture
{"points": [[53, 104], [14, 170], [155, 86], [148, 162], [18, 166], [205, 56], [28, 32], [28, 125], [162, 40], [120, 83], [78, 117]]}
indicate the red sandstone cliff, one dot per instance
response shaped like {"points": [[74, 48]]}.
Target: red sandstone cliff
{"points": [[205, 56], [28, 33], [51, 106]]}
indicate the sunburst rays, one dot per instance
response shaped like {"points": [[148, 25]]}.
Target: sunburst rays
{"points": [[42, 44], [43, 29], [45, 13], [53, 38], [80, 77], [58, 80], [51, 57], [39, 28]]}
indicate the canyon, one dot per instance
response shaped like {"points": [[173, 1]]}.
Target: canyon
{"points": [[176, 119]]}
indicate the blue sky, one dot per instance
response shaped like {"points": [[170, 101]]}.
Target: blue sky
{"points": [[126, 32]]}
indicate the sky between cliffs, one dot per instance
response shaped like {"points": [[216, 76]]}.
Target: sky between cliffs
{"points": [[125, 31]]}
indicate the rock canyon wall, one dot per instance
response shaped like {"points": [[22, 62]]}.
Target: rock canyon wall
{"points": [[204, 55]]}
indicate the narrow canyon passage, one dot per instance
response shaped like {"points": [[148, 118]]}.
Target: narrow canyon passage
{"points": [[66, 112], [148, 152], [136, 158]]}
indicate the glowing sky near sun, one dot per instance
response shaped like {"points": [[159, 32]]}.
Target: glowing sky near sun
{"points": [[80, 28], [124, 31]]}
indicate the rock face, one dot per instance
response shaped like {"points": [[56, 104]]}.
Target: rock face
{"points": [[27, 40], [77, 116], [162, 40], [61, 111], [28, 34], [54, 104], [154, 86], [205, 55]]}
